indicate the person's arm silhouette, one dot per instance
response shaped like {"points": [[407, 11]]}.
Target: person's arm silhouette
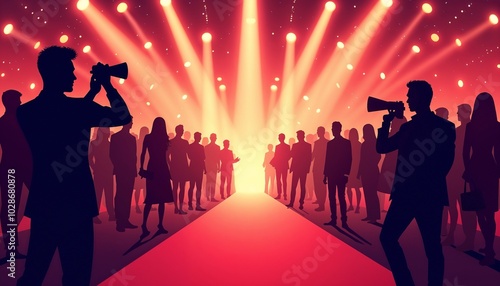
{"points": [[95, 87], [386, 144], [143, 153]]}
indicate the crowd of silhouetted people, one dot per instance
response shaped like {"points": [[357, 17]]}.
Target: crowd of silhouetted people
{"points": [[427, 165]]}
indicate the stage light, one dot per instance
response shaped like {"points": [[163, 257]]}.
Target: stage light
{"points": [[387, 3], [166, 3], [222, 87], [416, 49], [8, 29], [291, 38], [187, 64], [82, 4], [148, 45], [63, 39], [2, 75], [498, 66], [435, 37], [32, 86], [219, 79], [340, 45], [427, 8], [148, 103], [493, 19], [305, 97], [37, 45], [206, 37], [276, 79], [350, 67], [458, 42], [122, 7], [184, 96], [382, 75], [274, 88], [121, 81], [460, 83], [318, 110], [330, 6], [179, 115], [86, 49]]}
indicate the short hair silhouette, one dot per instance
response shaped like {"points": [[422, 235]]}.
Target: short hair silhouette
{"points": [[10, 98], [51, 57], [465, 109], [179, 129], [423, 89]]}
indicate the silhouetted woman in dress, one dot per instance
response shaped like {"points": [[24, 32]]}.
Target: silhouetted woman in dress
{"points": [[369, 173], [354, 182], [158, 185], [482, 169]]}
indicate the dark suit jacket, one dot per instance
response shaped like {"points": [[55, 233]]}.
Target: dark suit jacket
{"points": [[122, 150], [301, 157], [196, 154], [57, 129], [338, 158], [426, 147], [281, 157]]}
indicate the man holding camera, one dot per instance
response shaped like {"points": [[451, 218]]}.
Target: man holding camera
{"points": [[426, 146], [62, 200]]}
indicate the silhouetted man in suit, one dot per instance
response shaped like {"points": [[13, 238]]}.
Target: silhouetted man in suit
{"points": [[226, 169], [122, 152], [179, 167], [426, 146], [338, 162], [280, 163], [301, 163], [212, 163], [196, 154], [16, 165], [62, 200], [318, 157]]}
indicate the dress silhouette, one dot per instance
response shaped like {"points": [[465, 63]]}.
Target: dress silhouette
{"points": [[269, 171], [212, 163], [426, 146], [179, 167], [226, 169], [16, 157], [318, 157], [280, 164], [62, 200], [369, 173], [338, 161], [353, 182], [123, 154], [102, 168], [158, 185], [301, 154], [482, 169], [196, 154]]}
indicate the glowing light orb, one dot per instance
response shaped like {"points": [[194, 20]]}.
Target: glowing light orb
{"points": [[493, 19], [349, 67], [427, 8], [187, 64], [435, 37], [206, 37], [82, 4], [8, 29], [340, 45], [382, 75], [37, 45], [460, 83], [219, 79], [86, 49], [338, 85], [458, 42], [276, 79], [387, 3], [251, 21], [148, 45], [148, 103], [318, 110], [179, 115], [121, 81], [2, 75], [274, 88], [498, 66], [151, 86], [32, 85], [184, 97], [222, 87], [63, 39], [165, 3], [305, 97], [122, 7], [416, 49], [330, 6], [291, 38]]}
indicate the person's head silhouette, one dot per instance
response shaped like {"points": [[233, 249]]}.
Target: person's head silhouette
{"points": [[143, 132], [336, 128], [213, 138], [197, 137], [226, 144], [301, 135], [369, 133], [419, 95], [103, 133], [442, 112], [128, 126], [484, 110], [179, 130], [321, 132], [281, 138], [463, 113], [353, 135], [11, 99], [270, 147], [55, 65]]}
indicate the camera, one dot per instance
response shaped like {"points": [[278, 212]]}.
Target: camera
{"points": [[119, 70]]}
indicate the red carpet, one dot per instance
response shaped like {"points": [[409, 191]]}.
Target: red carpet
{"points": [[250, 239]]}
